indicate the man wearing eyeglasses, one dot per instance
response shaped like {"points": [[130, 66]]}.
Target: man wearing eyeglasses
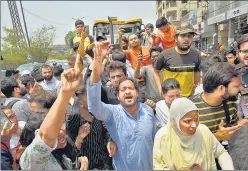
{"points": [[242, 53]]}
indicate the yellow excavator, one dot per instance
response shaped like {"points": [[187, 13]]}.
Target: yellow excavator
{"points": [[109, 28]]}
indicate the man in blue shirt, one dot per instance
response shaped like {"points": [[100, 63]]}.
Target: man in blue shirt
{"points": [[130, 124]]}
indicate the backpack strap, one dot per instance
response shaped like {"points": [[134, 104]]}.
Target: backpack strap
{"points": [[11, 104], [4, 147]]}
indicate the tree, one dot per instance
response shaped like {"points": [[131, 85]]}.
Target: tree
{"points": [[41, 41], [68, 37]]}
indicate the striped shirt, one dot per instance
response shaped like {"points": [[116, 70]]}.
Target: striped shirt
{"points": [[94, 146], [211, 116]]}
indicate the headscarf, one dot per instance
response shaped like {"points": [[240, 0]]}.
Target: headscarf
{"points": [[182, 150]]}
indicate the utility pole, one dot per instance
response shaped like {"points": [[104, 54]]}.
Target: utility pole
{"points": [[17, 27], [25, 25]]}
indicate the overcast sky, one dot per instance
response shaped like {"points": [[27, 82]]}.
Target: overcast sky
{"points": [[60, 13]]}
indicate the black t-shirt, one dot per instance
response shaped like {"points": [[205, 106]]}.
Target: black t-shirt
{"points": [[180, 67]]}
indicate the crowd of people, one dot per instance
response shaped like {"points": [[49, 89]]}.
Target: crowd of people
{"points": [[154, 104]]}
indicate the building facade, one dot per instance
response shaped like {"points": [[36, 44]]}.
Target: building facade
{"points": [[229, 19]]}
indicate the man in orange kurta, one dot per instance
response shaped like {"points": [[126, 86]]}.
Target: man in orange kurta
{"points": [[165, 35], [136, 50]]}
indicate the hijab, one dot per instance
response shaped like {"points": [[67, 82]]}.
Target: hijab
{"points": [[180, 149]]}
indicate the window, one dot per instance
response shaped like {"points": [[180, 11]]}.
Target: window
{"points": [[184, 1]]}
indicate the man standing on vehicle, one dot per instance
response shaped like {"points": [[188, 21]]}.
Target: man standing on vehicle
{"points": [[75, 40], [147, 35], [181, 62], [166, 34], [136, 50]]}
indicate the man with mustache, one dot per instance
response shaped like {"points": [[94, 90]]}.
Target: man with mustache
{"points": [[14, 91], [49, 82], [181, 62]]}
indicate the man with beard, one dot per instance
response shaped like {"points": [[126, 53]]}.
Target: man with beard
{"points": [[136, 50], [49, 82], [242, 53], [181, 62], [130, 124], [14, 91]]}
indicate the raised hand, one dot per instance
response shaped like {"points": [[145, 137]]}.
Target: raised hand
{"points": [[70, 80], [84, 130], [121, 32], [150, 103]]}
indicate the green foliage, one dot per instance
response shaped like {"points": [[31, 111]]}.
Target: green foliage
{"points": [[12, 61], [60, 57], [41, 41], [68, 37]]}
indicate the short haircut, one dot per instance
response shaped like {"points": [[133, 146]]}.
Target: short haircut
{"points": [[27, 78], [155, 49], [136, 85], [46, 66], [34, 122], [114, 65], [44, 98], [162, 21], [243, 39], [117, 55], [8, 85], [58, 70], [81, 91], [36, 73], [149, 25], [124, 39], [72, 57], [221, 73], [78, 22], [10, 72], [232, 51], [169, 84], [207, 63]]}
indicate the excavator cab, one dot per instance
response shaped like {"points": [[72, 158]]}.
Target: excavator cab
{"points": [[109, 28]]}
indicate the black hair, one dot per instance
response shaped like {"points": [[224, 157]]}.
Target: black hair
{"points": [[57, 70], [155, 49], [136, 85], [78, 22], [117, 65], [34, 122], [221, 73], [45, 98], [36, 73], [207, 63], [27, 78], [8, 85], [124, 39], [10, 72], [169, 84], [46, 66], [232, 51], [149, 25], [243, 39], [117, 55], [162, 21]]}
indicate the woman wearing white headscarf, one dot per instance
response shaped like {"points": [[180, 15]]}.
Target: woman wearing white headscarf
{"points": [[184, 142]]}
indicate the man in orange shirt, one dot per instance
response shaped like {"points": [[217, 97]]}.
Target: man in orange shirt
{"points": [[136, 50], [165, 35]]}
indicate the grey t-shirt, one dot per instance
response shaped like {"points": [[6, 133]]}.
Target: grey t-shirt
{"points": [[151, 89]]}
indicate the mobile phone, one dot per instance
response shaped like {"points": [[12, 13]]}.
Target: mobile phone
{"points": [[116, 46], [86, 29], [4, 119]]}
